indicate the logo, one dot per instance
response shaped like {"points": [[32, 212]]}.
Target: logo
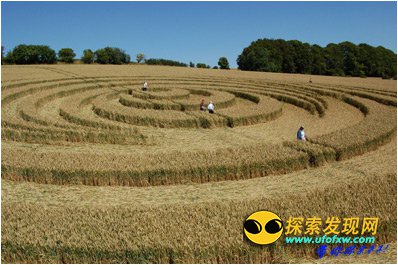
{"points": [[263, 227]]}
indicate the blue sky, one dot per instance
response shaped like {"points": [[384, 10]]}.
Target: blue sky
{"points": [[194, 31]]}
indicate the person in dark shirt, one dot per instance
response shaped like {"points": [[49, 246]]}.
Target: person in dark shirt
{"points": [[202, 105]]}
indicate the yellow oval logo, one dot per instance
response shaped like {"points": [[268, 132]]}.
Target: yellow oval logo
{"points": [[263, 227]]}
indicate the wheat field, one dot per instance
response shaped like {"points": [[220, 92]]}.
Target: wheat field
{"points": [[94, 170]]}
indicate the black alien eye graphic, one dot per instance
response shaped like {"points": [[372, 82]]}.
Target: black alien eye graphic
{"points": [[252, 226], [273, 226]]}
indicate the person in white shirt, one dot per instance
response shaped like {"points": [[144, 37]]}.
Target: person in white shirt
{"points": [[210, 107], [145, 87], [301, 134]]}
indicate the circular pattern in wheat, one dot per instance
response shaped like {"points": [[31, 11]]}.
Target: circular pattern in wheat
{"points": [[93, 125], [64, 127]]}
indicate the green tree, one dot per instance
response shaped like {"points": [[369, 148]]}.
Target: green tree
{"points": [[318, 66], [341, 59], [33, 54], [254, 58], [301, 56], [109, 55], [2, 54], [275, 55], [288, 55], [261, 55], [140, 57], [334, 60], [350, 57], [368, 59], [101, 56], [202, 65], [223, 63], [153, 61], [88, 56], [387, 62], [9, 59], [191, 64], [66, 55]]}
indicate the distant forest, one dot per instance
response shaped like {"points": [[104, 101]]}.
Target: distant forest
{"points": [[267, 55], [343, 59]]}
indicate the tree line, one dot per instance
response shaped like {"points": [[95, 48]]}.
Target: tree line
{"points": [[164, 62], [343, 59], [41, 54]]}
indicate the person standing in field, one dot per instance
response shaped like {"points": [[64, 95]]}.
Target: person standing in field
{"points": [[210, 107], [145, 87], [202, 105], [301, 134]]}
